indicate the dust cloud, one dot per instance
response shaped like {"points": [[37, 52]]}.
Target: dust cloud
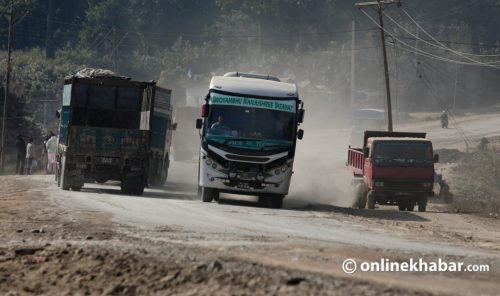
{"points": [[320, 175]]}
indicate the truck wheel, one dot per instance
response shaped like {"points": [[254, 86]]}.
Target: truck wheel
{"points": [[422, 204], [370, 200], [133, 185], [208, 194], [402, 206], [359, 197], [410, 206], [63, 178]]}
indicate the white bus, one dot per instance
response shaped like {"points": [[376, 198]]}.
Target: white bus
{"points": [[249, 130]]}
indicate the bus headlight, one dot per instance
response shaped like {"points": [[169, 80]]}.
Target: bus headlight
{"points": [[232, 174], [208, 161], [284, 168], [214, 165], [260, 177]]}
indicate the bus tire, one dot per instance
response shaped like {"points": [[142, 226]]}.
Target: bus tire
{"points": [[207, 194], [276, 202]]}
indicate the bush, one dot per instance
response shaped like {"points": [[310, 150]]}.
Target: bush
{"points": [[476, 183]]}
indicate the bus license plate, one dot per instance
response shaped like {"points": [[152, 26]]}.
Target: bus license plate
{"points": [[242, 185]]}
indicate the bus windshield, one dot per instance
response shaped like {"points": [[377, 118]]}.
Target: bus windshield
{"points": [[249, 123]]}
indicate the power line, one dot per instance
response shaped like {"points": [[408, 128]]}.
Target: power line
{"points": [[430, 43], [422, 52], [432, 37]]}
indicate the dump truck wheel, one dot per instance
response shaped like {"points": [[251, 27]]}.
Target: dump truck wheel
{"points": [[360, 197], [370, 200], [422, 204]]}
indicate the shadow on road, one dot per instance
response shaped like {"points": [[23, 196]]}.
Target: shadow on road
{"points": [[382, 214], [169, 191]]}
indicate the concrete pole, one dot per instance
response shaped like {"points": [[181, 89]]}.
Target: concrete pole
{"points": [[7, 84]]}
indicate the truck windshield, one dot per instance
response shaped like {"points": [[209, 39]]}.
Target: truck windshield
{"points": [[249, 123], [402, 153]]}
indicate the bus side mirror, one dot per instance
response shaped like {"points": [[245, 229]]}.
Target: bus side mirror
{"points": [[199, 123], [366, 152], [300, 134], [174, 126], [302, 113], [204, 111], [436, 158]]}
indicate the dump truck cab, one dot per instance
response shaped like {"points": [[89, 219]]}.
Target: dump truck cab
{"points": [[393, 168]]}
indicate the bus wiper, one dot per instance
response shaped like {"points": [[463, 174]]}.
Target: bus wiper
{"points": [[239, 139], [272, 146]]}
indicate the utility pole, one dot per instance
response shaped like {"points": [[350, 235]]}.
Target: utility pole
{"points": [[353, 57], [379, 6], [49, 36], [7, 83]]}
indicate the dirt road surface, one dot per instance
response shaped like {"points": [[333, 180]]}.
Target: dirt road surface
{"points": [[99, 241]]}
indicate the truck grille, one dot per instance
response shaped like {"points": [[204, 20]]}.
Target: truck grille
{"points": [[412, 185]]}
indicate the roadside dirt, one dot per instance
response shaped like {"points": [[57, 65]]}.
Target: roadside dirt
{"points": [[48, 250]]}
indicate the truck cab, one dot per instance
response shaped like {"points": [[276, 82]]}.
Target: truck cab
{"points": [[393, 168]]}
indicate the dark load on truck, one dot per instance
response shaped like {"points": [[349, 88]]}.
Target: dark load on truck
{"points": [[393, 168], [113, 128]]}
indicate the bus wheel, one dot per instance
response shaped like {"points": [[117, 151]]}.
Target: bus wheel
{"points": [[276, 202], [271, 201], [208, 194]]}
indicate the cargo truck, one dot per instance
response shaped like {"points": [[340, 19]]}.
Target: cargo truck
{"points": [[113, 128], [393, 168]]}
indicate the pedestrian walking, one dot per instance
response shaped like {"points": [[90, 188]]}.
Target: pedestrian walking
{"points": [[51, 147], [30, 155], [21, 154]]}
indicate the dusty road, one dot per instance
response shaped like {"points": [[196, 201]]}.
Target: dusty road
{"points": [[98, 241]]}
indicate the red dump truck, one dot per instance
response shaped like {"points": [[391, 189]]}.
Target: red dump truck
{"points": [[393, 168]]}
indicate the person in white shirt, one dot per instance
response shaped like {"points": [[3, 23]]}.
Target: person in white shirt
{"points": [[51, 147], [30, 155]]}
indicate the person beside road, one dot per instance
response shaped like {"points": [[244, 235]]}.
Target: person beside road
{"points": [[444, 119], [51, 147], [30, 155], [21, 154]]}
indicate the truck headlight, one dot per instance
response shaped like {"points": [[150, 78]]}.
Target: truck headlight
{"points": [[260, 177], [427, 184], [208, 161], [232, 174], [284, 168], [214, 165], [379, 184]]}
